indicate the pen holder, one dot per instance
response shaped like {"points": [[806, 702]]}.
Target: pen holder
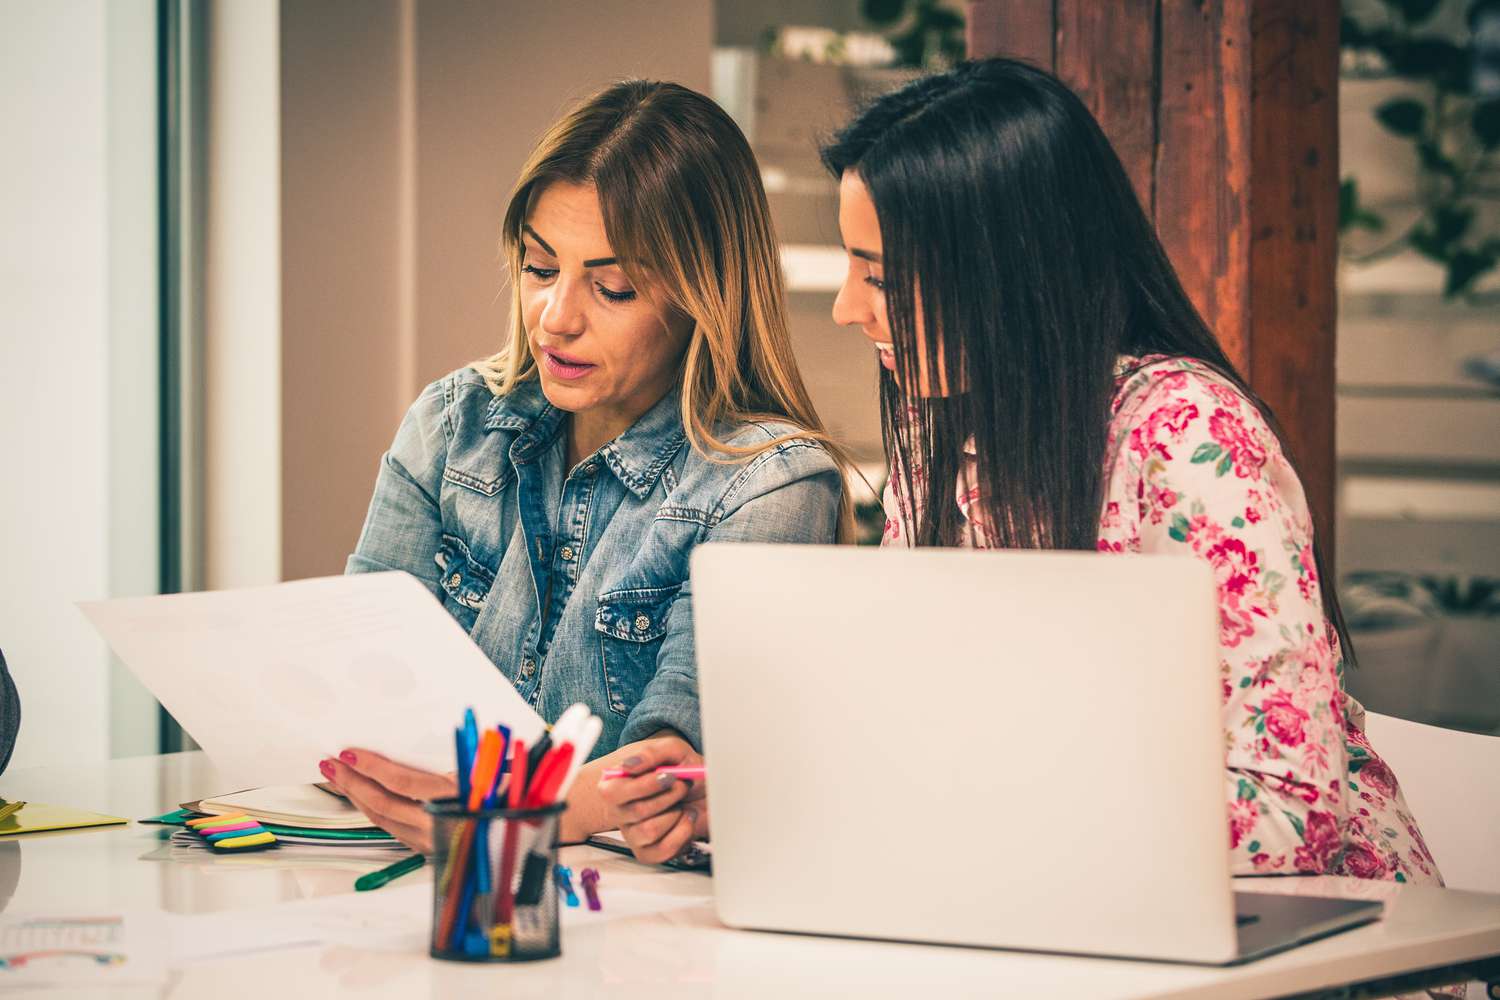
{"points": [[493, 898]]}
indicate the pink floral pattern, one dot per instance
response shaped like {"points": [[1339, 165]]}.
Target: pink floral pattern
{"points": [[1192, 466]]}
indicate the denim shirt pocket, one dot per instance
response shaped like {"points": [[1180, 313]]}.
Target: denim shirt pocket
{"points": [[465, 580], [631, 624]]}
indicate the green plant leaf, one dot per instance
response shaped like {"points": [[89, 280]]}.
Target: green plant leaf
{"points": [[1352, 34], [1436, 59], [1425, 242], [1464, 268], [1403, 116], [1351, 214], [1486, 122], [1417, 11], [1225, 464], [1434, 159], [1450, 222], [882, 12], [1206, 452]]}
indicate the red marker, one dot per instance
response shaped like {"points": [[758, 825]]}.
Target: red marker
{"points": [[549, 777]]}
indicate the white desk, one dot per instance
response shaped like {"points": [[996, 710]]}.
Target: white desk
{"points": [[680, 950]]}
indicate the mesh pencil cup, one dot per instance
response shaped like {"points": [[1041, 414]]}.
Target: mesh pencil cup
{"points": [[492, 893]]}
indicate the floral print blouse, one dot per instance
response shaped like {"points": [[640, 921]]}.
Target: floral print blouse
{"points": [[1191, 466]]}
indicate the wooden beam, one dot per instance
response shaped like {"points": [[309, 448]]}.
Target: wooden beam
{"points": [[1293, 224], [1225, 115], [1202, 170], [1016, 30], [1106, 53]]}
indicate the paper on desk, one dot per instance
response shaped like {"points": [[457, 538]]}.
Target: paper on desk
{"points": [[82, 950], [271, 680]]}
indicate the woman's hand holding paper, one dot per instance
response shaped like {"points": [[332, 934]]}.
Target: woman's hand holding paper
{"points": [[392, 795]]}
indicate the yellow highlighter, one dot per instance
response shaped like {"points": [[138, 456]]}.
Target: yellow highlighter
{"points": [[240, 843]]}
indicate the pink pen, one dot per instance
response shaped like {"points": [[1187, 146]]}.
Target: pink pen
{"points": [[242, 825], [685, 772]]}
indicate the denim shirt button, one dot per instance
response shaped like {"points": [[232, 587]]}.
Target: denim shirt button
{"points": [[566, 553], [591, 469], [642, 623], [528, 667], [455, 580]]}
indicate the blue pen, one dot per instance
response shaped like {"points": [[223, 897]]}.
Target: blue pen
{"points": [[463, 763], [493, 798], [471, 735], [466, 907], [482, 857], [478, 887]]}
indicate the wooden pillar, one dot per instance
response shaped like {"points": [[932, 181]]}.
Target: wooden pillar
{"points": [[1225, 114]]}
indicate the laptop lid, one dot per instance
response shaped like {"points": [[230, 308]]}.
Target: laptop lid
{"points": [[1008, 749]]}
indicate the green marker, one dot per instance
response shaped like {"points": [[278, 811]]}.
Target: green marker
{"points": [[374, 880]]}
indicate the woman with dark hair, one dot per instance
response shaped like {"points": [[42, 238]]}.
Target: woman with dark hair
{"points": [[1048, 384]]}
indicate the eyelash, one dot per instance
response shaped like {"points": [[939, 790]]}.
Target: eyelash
{"points": [[547, 274], [875, 283]]}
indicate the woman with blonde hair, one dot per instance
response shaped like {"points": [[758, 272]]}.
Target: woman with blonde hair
{"points": [[647, 402]]}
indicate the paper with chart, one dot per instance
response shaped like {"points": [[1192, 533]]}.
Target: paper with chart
{"points": [[82, 949], [271, 680]]}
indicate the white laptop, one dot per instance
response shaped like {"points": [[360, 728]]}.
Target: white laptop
{"points": [[1003, 749]]}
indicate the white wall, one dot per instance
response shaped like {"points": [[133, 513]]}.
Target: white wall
{"points": [[76, 202], [134, 466], [242, 297]]}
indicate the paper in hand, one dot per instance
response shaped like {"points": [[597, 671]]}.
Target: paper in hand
{"points": [[271, 680]]}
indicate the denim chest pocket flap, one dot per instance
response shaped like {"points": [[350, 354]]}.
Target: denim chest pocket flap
{"points": [[631, 624], [465, 580], [485, 482]]}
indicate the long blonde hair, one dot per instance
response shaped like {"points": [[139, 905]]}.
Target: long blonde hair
{"points": [[686, 214]]}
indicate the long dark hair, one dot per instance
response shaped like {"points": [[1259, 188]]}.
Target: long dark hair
{"points": [[1001, 200]]}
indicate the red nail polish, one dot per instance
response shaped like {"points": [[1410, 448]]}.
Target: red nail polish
{"points": [[347, 756], [326, 766]]}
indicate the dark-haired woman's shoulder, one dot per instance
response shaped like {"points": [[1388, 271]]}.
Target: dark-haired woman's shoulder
{"points": [[1160, 402], [1184, 436]]}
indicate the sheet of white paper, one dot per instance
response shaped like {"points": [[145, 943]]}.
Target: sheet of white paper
{"points": [[82, 950], [270, 680], [396, 918]]}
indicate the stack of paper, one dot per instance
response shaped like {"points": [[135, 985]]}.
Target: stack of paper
{"points": [[305, 806]]}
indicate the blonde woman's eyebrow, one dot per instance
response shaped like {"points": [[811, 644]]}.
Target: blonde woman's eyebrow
{"points": [[547, 247]]}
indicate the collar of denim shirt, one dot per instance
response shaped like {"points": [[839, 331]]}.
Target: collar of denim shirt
{"points": [[636, 457]]}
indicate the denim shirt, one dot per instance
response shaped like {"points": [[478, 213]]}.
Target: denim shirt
{"points": [[575, 582]]}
